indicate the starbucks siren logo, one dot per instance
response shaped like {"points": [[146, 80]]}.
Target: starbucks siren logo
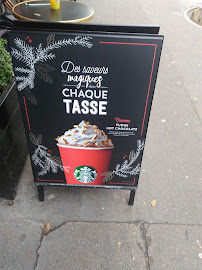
{"points": [[85, 174]]}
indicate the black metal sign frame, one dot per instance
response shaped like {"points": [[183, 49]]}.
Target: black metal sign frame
{"points": [[137, 48]]}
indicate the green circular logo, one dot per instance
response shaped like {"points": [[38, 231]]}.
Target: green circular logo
{"points": [[85, 174]]}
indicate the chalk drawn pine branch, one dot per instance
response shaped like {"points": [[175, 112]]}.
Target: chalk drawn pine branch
{"points": [[30, 96], [43, 158], [50, 39], [42, 71], [127, 168], [33, 57]]}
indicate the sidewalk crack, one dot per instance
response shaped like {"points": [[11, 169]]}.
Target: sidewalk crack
{"points": [[37, 251], [58, 227], [147, 242]]}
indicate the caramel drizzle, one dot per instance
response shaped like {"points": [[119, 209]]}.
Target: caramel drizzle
{"points": [[86, 143], [94, 137], [57, 138], [104, 143], [65, 141], [86, 127]]}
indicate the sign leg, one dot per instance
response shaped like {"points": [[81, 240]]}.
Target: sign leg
{"points": [[132, 197], [41, 193]]}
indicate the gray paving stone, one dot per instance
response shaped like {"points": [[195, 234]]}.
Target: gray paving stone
{"points": [[93, 246], [183, 40], [175, 247], [19, 242]]}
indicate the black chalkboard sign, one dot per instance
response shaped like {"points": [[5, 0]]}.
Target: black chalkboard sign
{"points": [[86, 99]]}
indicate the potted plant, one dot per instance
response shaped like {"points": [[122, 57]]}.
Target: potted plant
{"points": [[13, 148], [6, 69]]}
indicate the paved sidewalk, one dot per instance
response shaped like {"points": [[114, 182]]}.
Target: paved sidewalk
{"points": [[96, 229]]}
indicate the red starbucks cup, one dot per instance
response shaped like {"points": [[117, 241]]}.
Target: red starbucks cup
{"points": [[85, 166]]}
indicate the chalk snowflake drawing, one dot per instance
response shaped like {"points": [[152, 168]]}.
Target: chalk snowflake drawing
{"points": [[33, 58], [43, 158], [126, 169]]}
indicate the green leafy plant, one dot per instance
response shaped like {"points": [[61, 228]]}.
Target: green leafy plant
{"points": [[6, 68]]}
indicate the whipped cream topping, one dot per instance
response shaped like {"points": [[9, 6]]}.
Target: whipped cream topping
{"points": [[85, 135]]}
